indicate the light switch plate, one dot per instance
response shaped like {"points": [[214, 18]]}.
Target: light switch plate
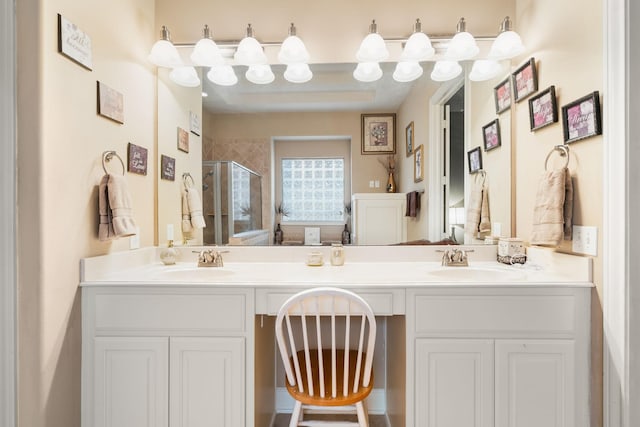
{"points": [[312, 235], [134, 241], [585, 240]]}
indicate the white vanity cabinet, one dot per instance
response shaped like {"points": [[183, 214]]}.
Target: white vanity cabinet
{"points": [[501, 357], [166, 356]]}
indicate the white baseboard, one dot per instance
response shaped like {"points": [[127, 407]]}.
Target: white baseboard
{"points": [[376, 402]]}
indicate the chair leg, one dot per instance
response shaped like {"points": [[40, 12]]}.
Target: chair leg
{"points": [[296, 415], [363, 418]]}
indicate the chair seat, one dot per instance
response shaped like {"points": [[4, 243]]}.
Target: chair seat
{"points": [[352, 397]]}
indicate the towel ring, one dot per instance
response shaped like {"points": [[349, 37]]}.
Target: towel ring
{"points": [[106, 158], [564, 151], [186, 176]]}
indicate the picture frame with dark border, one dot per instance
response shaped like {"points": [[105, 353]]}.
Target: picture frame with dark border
{"points": [[408, 132], [582, 118], [418, 163], [491, 135], [543, 109], [167, 168], [525, 80], [378, 133], [137, 159], [502, 95], [475, 160]]}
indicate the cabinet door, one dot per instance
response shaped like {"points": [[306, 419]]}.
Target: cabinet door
{"points": [[130, 387], [380, 221], [534, 383], [207, 382], [454, 383]]}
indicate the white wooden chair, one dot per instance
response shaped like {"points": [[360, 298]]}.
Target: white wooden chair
{"points": [[322, 374]]}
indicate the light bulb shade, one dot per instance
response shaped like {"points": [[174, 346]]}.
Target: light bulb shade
{"points": [[298, 73], [206, 53], [367, 72], [445, 70], [507, 45], [484, 69], [250, 52], [164, 54], [293, 51], [417, 48], [407, 71], [462, 46], [185, 76], [222, 75], [372, 49], [260, 74]]}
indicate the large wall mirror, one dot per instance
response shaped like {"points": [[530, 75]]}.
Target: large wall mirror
{"points": [[250, 125]]}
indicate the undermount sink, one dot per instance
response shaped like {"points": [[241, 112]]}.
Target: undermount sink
{"points": [[477, 274], [193, 274]]}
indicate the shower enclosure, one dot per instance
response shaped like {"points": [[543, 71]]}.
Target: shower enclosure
{"points": [[232, 200]]}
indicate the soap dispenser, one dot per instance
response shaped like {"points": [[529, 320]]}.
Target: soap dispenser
{"points": [[169, 255]]}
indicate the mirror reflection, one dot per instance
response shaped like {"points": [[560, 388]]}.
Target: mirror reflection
{"points": [[260, 129]]}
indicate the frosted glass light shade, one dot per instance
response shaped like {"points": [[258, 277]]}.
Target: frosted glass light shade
{"points": [[293, 51], [407, 71], [250, 52], [164, 54], [222, 75], [484, 69], [185, 76], [206, 53], [298, 73], [445, 70], [260, 74], [367, 72], [507, 45], [372, 49], [462, 46], [417, 48]]}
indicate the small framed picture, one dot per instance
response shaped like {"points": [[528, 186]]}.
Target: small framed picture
{"points": [[543, 109], [110, 103], [195, 125], [378, 134], [491, 135], [525, 80], [137, 159], [502, 95], [418, 163], [409, 138], [74, 43], [183, 140], [167, 168], [581, 118], [475, 160]]}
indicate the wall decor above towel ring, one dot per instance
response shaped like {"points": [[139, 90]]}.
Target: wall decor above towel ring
{"points": [[106, 158], [186, 176], [564, 152]]}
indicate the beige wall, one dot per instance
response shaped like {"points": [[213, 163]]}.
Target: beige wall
{"points": [[60, 142]]}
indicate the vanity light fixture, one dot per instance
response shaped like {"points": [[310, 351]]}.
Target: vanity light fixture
{"points": [[222, 75], [249, 51], [298, 73], [185, 76], [367, 72], [445, 70], [508, 44], [260, 74], [206, 52], [164, 53], [484, 69], [418, 46], [463, 45], [293, 50], [407, 71], [373, 47]]}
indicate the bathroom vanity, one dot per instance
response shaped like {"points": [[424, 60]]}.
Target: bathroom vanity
{"points": [[485, 345]]}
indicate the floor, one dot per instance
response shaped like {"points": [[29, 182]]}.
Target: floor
{"points": [[282, 420]]}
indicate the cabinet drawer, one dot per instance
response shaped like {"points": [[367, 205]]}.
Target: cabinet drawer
{"points": [[202, 313], [383, 303], [483, 315]]}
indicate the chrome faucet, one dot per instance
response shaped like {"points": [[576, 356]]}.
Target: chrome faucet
{"points": [[455, 257], [210, 258]]}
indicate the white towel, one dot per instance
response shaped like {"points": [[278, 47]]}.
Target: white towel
{"points": [[115, 209], [191, 210], [478, 222], [187, 228], [553, 210]]}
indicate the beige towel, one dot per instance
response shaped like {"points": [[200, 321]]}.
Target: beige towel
{"points": [[114, 205], [195, 207], [187, 228], [478, 219], [553, 210]]}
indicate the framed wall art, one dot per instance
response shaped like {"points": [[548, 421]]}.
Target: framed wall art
{"points": [[409, 138], [491, 135], [582, 118], [110, 103], [74, 43], [502, 95], [543, 109], [137, 159], [475, 160], [378, 134], [195, 125], [183, 140], [525, 80], [167, 168], [418, 163]]}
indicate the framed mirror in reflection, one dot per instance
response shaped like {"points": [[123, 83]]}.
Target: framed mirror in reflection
{"points": [[244, 125]]}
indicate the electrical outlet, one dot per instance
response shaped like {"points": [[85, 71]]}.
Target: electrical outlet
{"points": [[377, 183], [496, 229], [585, 240], [371, 184], [134, 241]]}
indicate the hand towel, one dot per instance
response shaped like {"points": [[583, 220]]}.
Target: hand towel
{"points": [[478, 219], [553, 209], [413, 204], [114, 206], [195, 207], [187, 228]]}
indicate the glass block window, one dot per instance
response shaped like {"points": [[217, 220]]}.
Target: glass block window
{"points": [[313, 189]]}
